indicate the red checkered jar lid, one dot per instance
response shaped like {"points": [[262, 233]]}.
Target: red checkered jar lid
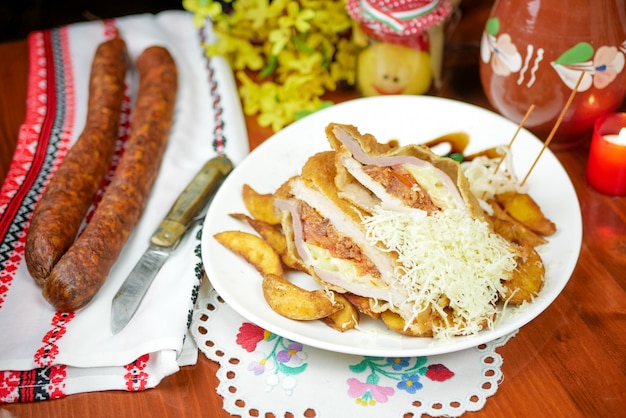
{"points": [[393, 19]]}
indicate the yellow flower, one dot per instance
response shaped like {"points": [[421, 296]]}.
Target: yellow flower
{"points": [[332, 18], [295, 61], [344, 65], [299, 49], [239, 53], [252, 94], [304, 87], [256, 12], [279, 38], [296, 17], [202, 9]]}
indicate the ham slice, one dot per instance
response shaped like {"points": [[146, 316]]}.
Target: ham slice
{"points": [[316, 189], [440, 178]]}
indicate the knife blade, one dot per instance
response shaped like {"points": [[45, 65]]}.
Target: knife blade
{"points": [[184, 213]]}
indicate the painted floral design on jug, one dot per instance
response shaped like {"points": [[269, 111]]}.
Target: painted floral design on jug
{"points": [[535, 53], [600, 66]]}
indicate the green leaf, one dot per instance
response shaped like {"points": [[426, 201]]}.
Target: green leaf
{"points": [[327, 58], [373, 379], [325, 104], [299, 42], [493, 26], [456, 156], [270, 67], [302, 113], [359, 368], [581, 52], [420, 361], [291, 370]]}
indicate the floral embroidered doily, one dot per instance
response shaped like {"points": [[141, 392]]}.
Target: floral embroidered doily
{"points": [[261, 372]]}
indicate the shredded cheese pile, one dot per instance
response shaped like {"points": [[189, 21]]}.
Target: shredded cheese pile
{"points": [[445, 255], [485, 183]]}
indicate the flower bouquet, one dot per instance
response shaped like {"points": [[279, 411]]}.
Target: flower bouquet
{"points": [[285, 53]]}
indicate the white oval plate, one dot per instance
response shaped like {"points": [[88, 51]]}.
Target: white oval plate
{"points": [[408, 119]]}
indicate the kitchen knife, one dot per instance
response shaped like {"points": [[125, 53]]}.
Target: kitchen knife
{"points": [[183, 214]]}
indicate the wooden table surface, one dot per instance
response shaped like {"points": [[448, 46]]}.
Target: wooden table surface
{"points": [[568, 362]]}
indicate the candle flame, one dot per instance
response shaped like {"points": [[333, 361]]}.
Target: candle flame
{"points": [[619, 139]]}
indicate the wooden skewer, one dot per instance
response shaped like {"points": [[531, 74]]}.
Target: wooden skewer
{"points": [[555, 127], [519, 128]]}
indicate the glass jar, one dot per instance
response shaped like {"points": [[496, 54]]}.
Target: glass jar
{"points": [[402, 44]]}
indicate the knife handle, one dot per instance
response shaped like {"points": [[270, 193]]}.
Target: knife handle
{"points": [[191, 201]]}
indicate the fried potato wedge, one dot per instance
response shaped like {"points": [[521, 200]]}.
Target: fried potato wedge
{"points": [[275, 238], [362, 304], [527, 279], [268, 232], [254, 249], [522, 207], [422, 326], [511, 229], [344, 319], [260, 206], [294, 302]]}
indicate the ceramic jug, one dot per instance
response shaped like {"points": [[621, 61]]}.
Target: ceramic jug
{"points": [[536, 52]]}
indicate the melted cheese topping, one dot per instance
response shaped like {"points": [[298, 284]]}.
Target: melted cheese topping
{"points": [[428, 179], [323, 260], [450, 257]]}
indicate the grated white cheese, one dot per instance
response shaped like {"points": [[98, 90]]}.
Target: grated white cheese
{"points": [[485, 183], [330, 295], [506, 312], [446, 255]]}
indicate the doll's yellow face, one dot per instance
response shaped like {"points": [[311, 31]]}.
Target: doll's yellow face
{"points": [[384, 68]]}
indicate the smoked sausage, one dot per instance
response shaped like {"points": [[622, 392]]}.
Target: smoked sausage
{"points": [[60, 212], [82, 270]]}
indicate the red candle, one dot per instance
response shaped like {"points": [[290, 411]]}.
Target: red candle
{"points": [[606, 167]]}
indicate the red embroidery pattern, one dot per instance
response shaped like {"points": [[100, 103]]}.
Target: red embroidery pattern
{"points": [[32, 385], [137, 377], [44, 116], [249, 336], [48, 352], [9, 387], [219, 141], [439, 373], [29, 132], [10, 267], [69, 92], [54, 105], [110, 29], [15, 183], [56, 382]]}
